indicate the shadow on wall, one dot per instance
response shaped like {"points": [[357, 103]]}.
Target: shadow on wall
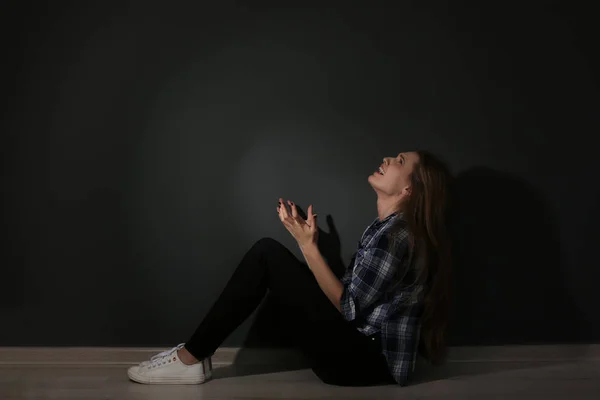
{"points": [[508, 281], [588, 271], [266, 331]]}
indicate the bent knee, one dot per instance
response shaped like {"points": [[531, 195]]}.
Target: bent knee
{"points": [[279, 253], [267, 242]]}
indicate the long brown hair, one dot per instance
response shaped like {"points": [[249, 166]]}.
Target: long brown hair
{"points": [[424, 214]]}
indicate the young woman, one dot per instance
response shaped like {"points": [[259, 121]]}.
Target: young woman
{"points": [[364, 329]]}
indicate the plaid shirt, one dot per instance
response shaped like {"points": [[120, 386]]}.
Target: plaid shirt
{"points": [[396, 316]]}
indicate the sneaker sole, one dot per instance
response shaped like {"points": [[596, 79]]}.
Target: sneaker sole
{"points": [[167, 380]]}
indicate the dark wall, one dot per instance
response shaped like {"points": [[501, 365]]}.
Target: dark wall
{"points": [[145, 147]]}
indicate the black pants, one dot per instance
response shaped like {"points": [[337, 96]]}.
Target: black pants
{"points": [[337, 352]]}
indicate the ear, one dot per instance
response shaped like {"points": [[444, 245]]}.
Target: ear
{"points": [[407, 191]]}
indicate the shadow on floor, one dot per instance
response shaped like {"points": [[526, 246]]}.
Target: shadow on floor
{"points": [[425, 373], [239, 370]]}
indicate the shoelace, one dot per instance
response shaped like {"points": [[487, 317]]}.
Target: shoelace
{"points": [[161, 357]]}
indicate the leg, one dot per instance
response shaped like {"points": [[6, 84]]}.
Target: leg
{"points": [[242, 294], [256, 274], [338, 353]]}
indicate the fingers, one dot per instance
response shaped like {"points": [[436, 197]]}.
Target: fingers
{"points": [[311, 211], [312, 217], [283, 208], [284, 214], [280, 209], [294, 210]]}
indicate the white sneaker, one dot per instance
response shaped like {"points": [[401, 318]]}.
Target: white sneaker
{"points": [[167, 368]]}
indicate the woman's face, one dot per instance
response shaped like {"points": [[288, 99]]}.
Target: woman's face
{"points": [[395, 180]]}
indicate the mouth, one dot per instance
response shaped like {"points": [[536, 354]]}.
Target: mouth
{"points": [[380, 171]]}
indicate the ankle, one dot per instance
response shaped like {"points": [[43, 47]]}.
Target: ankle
{"points": [[186, 357]]}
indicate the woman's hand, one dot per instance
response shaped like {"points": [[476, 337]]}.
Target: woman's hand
{"points": [[305, 232]]}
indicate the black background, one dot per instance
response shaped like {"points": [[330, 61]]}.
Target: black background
{"points": [[145, 145]]}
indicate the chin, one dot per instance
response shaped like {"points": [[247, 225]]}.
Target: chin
{"points": [[370, 180]]}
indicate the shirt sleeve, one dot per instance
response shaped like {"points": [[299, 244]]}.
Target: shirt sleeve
{"points": [[374, 270]]}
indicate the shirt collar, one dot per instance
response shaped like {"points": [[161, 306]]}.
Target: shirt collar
{"points": [[377, 223]]}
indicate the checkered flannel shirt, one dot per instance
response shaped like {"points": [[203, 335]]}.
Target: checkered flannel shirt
{"points": [[394, 315]]}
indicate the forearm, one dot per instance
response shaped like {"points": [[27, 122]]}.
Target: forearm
{"points": [[329, 283]]}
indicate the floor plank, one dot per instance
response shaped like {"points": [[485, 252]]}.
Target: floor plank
{"points": [[468, 380]]}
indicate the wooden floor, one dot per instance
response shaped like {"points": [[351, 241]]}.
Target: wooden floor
{"points": [[468, 380]]}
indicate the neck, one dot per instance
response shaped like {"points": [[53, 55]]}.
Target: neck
{"points": [[386, 206]]}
